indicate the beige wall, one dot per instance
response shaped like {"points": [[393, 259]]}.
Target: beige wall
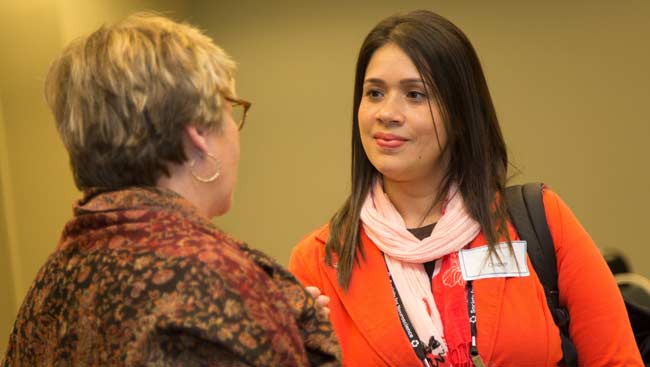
{"points": [[7, 286], [37, 185], [570, 83]]}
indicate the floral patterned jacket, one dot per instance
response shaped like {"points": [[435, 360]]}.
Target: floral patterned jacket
{"points": [[139, 278]]}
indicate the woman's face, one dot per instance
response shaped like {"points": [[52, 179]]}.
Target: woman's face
{"points": [[395, 123], [225, 147]]}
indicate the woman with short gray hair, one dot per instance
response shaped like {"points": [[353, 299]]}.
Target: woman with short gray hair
{"points": [[148, 113]]}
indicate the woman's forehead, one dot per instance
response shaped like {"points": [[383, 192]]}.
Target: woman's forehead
{"points": [[391, 62]]}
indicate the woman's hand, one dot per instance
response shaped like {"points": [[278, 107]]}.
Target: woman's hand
{"points": [[321, 301]]}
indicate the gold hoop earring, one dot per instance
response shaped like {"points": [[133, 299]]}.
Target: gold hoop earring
{"points": [[203, 179]]}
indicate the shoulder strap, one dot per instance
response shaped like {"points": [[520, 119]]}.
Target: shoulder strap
{"points": [[526, 209]]}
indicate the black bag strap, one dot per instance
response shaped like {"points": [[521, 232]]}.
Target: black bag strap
{"points": [[524, 203], [526, 209]]}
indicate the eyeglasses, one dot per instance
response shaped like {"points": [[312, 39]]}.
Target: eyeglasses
{"points": [[239, 110]]}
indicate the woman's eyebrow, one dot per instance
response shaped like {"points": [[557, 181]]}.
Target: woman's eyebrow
{"points": [[403, 81], [374, 81], [411, 81]]}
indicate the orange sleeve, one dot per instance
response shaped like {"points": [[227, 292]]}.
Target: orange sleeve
{"points": [[599, 326], [304, 261]]}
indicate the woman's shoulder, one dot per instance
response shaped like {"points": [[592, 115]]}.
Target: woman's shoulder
{"points": [[553, 204], [308, 253], [563, 224], [567, 233], [314, 240]]}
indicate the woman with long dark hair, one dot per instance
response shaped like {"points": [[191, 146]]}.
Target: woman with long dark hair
{"points": [[421, 262]]}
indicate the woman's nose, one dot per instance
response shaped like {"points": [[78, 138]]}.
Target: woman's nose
{"points": [[390, 111]]}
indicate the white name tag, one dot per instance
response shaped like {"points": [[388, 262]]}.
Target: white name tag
{"points": [[477, 263]]}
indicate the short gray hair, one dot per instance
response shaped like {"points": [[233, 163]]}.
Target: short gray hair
{"points": [[122, 96]]}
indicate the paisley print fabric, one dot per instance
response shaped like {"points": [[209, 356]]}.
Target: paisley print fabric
{"points": [[139, 278]]}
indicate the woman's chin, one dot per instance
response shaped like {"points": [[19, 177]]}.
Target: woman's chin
{"points": [[393, 173], [220, 208]]}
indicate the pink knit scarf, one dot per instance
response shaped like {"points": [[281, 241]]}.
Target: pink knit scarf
{"points": [[405, 254]]}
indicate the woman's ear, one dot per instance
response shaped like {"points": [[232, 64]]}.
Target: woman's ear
{"points": [[196, 139]]}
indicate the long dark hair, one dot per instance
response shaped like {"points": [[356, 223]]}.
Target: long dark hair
{"points": [[475, 150]]}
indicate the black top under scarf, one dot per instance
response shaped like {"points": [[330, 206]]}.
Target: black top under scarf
{"points": [[422, 233]]}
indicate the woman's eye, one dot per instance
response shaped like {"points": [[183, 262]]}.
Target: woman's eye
{"points": [[373, 93], [416, 96]]}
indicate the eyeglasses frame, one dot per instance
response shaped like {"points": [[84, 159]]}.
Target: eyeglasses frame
{"points": [[240, 102]]}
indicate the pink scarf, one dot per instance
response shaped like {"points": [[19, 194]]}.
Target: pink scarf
{"points": [[405, 255]]}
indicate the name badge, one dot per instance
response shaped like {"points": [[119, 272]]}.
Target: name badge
{"points": [[478, 263]]}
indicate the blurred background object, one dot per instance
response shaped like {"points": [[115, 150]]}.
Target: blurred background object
{"points": [[634, 287], [616, 261]]}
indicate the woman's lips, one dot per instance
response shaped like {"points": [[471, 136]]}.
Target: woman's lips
{"points": [[389, 141]]}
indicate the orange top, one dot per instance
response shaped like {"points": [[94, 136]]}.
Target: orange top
{"points": [[515, 327]]}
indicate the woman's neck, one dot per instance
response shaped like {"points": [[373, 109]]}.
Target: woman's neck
{"points": [[414, 201], [180, 181]]}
